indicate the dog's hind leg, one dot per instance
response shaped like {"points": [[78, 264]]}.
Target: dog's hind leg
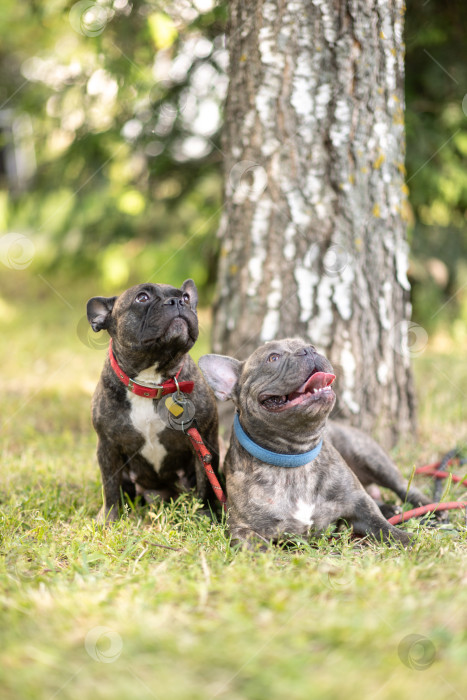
{"points": [[371, 464]]}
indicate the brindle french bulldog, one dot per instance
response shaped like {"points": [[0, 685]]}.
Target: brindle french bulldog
{"points": [[152, 327], [282, 472]]}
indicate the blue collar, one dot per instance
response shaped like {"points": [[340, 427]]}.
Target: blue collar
{"points": [[274, 458]]}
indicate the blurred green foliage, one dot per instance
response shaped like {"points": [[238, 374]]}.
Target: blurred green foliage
{"points": [[109, 141], [436, 123], [119, 104]]}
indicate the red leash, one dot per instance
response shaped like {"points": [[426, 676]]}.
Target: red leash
{"points": [[206, 459], [422, 510], [431, 470], [436, 472]]}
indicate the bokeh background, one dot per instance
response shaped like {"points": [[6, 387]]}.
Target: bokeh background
{"points": [[111, 173], [110, 157]]}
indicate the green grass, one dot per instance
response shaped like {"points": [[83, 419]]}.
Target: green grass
{"points": [[158, 605]]}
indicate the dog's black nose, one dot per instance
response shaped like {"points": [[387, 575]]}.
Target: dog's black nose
{"points": [[302, 351], [173, 301]]}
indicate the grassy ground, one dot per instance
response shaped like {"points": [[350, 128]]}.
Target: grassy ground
{"points": [[158, 606]]}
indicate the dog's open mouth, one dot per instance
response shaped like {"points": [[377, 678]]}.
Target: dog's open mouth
{"points": [[317, 386]]}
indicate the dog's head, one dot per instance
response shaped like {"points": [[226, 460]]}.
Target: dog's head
{"points": [[149, 318], [284, 386]]}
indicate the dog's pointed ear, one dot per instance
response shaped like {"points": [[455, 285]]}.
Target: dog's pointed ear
{"points": [[99, 310], [189, 287], [221, 373]]}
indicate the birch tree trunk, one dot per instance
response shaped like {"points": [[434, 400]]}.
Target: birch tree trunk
{"points": [[314, 227]]}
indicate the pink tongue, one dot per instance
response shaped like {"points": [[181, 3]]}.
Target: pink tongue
{"points": [[319, 380]]}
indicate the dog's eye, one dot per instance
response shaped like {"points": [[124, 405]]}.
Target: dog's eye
{"points": [[142, 297], [186, 297], [273, 357]]}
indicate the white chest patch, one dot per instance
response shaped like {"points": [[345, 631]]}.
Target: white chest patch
{"points": [[304, 512], [147, 421]]}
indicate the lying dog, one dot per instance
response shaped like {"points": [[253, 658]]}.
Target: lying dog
{"points": [[152, 328], [283, 474]]}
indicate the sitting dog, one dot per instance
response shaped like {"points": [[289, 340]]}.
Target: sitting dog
{"points": [[152, 328], [283, 474]]}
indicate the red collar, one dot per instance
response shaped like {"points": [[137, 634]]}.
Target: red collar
{"points": [[156, 392]]}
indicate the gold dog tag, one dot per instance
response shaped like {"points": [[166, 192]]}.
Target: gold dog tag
{"points": [[174, 408]]}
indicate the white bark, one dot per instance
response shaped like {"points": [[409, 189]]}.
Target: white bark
{"points": [[314, 239]]}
